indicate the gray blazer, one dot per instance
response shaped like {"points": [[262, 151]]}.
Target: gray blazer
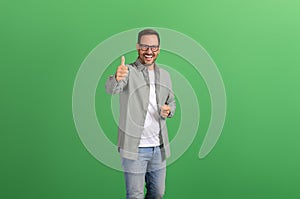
{"points": [[134, 100]]}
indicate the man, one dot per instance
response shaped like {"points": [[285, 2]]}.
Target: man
{"points": [[146, 100]]}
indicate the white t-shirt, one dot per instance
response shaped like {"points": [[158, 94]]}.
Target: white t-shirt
{"points": [[150, 134]]}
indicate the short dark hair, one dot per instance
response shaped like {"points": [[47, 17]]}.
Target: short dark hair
{"points": [[148, 32]]}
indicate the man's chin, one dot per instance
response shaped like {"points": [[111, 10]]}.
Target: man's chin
{"points": [[149, 62]]}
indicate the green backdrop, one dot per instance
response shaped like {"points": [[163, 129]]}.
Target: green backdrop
{"points": [[255, 45]]}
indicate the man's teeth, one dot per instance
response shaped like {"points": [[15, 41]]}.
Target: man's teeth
{"points": [[148, 56]]}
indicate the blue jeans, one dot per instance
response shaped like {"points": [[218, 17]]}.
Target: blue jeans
{"points": [[150, 168]]}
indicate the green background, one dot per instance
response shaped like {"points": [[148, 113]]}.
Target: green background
{"points": [[255, 45]]}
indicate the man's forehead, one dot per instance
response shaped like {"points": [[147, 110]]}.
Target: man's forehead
{"points": [[150, 39]]}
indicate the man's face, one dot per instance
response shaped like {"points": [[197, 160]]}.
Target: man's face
{"points": [[148, 49]]}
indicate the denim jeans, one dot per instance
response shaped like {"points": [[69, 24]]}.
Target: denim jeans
{"points": [[149, 168]]}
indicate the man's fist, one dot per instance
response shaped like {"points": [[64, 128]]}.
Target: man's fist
{"points": [[164, 111], [122, 70]]}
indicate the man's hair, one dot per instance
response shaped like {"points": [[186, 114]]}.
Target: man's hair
{"points": [[148, 32]]}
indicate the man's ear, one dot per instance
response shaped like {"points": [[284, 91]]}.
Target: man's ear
{"points": [[137, 47]]}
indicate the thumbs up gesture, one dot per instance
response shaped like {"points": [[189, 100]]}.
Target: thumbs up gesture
{"points": [[122, 70]]}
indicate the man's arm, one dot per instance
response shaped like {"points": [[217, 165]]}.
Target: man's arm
{"points": [[116, 83], [168, 110], [171, 103]]}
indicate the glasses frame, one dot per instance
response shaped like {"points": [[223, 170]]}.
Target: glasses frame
{"points": [[145, 47]]}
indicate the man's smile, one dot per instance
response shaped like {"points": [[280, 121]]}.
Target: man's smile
{"points": [[148, 57]]}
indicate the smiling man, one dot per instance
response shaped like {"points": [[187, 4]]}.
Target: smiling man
{"points": [[146, 100]]}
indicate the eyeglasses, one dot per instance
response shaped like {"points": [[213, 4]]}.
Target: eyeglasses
{"points": [[145, 47]]}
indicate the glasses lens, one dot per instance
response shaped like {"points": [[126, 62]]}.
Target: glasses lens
{"points": [[154, 48], [144, 47]]}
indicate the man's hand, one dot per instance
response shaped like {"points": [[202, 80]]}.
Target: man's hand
{"points": [[164, 111], [122, 70]]}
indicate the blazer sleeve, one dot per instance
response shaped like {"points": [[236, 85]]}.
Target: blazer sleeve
{"points": [[171, 101]]}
